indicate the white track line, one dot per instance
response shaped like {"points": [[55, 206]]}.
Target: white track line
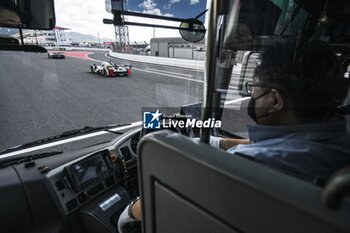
{"points": [[169, 72], [168, 75], [89, 58]]}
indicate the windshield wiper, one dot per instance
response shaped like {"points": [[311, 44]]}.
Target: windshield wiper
{"points": [[89, 129], [67, 134], [26, 159]]}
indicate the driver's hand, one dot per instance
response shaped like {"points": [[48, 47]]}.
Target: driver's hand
{"points": [[136, 210], [213, 141], [132, 213], [231, 142], [224, 143]]}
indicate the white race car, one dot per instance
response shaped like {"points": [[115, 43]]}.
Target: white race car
{"points": [[110, 69], [55, 54]]}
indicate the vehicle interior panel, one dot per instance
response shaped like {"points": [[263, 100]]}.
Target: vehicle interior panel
{"points": [[81, 180], [239, 186], [172, 205], [43, 183]]}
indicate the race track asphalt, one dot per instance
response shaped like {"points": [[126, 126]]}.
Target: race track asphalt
{"points": [[41, 97]]}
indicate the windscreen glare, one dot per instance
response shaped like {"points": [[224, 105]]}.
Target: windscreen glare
{"points": [[70, 87]]}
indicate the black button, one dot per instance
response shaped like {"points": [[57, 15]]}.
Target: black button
{"points": [[110, 181], [82, 198], [72, 204], [60, 185], [29, 164]]}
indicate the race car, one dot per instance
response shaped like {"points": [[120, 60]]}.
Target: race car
{"points": [[110, 69], [55, 54]]}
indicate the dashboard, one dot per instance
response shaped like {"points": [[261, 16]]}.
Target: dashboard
{"points": [[82, 179], [78, 191]]}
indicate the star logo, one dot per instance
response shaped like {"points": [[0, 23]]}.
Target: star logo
{"points": [[151, 120], [155, 115]]}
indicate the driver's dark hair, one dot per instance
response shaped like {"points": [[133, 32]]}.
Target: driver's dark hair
{"points": [[310, 77], [10, 5]]}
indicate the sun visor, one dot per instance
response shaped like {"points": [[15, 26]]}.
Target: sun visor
{"points": [[260, 17]]}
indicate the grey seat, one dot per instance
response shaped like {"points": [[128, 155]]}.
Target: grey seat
{"points": [[191, 187]]}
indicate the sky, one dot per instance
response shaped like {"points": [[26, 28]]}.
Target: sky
{"points": [[85, 16]]}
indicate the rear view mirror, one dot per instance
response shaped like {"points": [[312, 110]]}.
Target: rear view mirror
{"points": [[249, 63], [27, 14], [189, 30]]}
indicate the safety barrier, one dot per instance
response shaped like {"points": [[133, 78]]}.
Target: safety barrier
{"points": [[183, 63], [77, 48]]}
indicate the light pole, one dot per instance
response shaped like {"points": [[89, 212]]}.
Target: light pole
{"points": [[36, 37], [99, 42]]}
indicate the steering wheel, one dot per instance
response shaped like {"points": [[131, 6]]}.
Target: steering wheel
{"points": [[173, 124]]}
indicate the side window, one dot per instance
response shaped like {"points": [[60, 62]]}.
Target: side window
{"points": [[347, 100], [235, 117], [250, 60]]}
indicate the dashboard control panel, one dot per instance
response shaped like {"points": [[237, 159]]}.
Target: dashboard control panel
{"points": [[89, 171], [82, 180]]}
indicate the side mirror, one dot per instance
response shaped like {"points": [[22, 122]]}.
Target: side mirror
{"points": [[249, 63], [193, 30], [27, 14]]}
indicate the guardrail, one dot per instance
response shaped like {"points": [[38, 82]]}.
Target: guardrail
{"points": [[183, 63], [78, 48], [92, 49]]}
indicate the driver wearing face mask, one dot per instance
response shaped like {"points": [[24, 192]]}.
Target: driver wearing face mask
{"points": [[295, 99]]}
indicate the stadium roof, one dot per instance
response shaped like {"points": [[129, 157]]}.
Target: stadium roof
{"points": [[61, 28]]}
